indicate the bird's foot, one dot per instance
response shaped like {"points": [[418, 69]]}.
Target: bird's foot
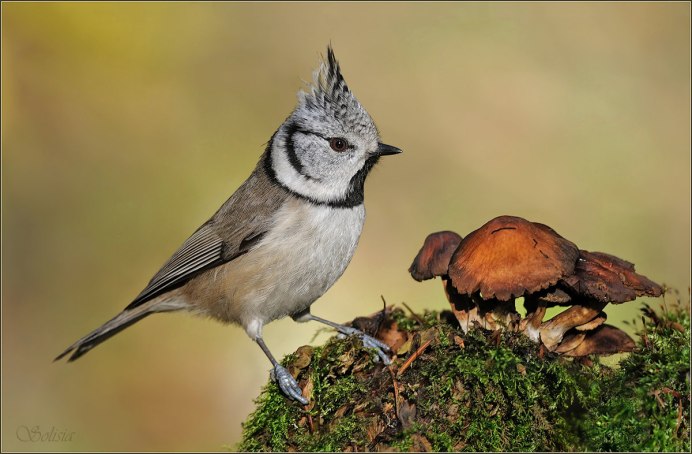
{"points": [[288, 384], [369, 342]]}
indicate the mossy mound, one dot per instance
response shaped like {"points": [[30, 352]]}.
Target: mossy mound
{"points": [[645, 404], [483, 391]]}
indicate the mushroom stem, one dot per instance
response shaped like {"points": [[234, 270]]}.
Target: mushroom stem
{"points": [[461, 305], [554, 329], [535, 311], [593, 324], [498, 314]]}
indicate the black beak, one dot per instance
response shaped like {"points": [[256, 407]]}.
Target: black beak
{"points": [[385, 150]]}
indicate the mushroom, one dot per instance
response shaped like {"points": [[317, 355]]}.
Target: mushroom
{"points": [[609, 279], [433, 258], [510, 257], [598, 279], [432, 261], [604, 340]]}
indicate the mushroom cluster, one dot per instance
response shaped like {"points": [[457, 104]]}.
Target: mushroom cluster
{"points": [[510, 257]]}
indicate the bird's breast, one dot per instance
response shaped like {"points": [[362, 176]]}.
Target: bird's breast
{"points": [[311, 245], [304, 252]]}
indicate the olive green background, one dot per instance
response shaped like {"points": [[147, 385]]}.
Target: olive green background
{"points": [[124, 127]]}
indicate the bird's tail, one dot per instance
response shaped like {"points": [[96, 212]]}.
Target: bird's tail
{"points": [[114, 326]]}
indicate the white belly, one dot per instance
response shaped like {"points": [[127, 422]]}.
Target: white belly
{"points": [[295, 263]]}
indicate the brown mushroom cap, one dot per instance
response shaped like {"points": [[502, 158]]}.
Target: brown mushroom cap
{"points": [[607, 278], [509, 257], [433, 258], [604, 340]]}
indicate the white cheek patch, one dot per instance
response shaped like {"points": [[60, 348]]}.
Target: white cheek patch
{"points": [[327, 190]]}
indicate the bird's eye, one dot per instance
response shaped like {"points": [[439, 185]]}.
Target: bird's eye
{"points": [[338, 144]]}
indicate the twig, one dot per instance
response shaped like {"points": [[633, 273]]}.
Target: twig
{"points": [[311, 424], [645, 336], [413, 357], [672, 392], [396, 392], [416, 316], [656, 393], [382, 317]]}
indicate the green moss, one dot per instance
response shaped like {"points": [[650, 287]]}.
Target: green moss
{"points": [[502, 397], [272, 418], [644, 406], [489, 392]]}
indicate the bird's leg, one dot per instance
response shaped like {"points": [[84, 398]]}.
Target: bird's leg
{"points": [[368, 341], [287, 384]]}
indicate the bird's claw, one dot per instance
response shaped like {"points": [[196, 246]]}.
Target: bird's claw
{"points": [[288, 384], [370, 342]]}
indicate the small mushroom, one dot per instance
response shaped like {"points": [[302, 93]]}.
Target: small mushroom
{"points": [[509, 257], [554, 329], [432, 261], [433, 258], [570, 342], [604, 340], [608, 279]]}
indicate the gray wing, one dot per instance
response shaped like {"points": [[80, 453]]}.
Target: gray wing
{"points": [[238, 225], [203, 250]]}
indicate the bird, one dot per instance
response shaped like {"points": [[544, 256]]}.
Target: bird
{"points": [[284, 237]]}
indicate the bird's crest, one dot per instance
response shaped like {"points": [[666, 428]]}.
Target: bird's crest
{"points": [[329, 93]]}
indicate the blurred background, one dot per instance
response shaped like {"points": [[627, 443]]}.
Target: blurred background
{"points": [[125, 126]]}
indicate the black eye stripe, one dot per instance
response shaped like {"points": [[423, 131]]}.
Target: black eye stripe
{"points": [[291, 152]]}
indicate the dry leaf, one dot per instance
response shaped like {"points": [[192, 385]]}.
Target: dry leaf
{"points": [[303, 357], [374, 428], [407, 414], [405, 347], [420, 444], [346, 360], [391, 336], [430, 334]]}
